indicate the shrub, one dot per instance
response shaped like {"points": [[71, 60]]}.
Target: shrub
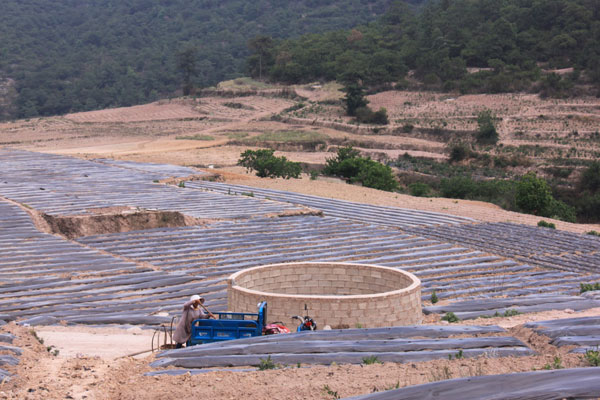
{"points": [[267, 165], [589, 287], [544, 224], [434, 298], [234, 105], [559, 210], [533, 194], [511, 313], [588, 207], [343, 153], [348, 164], [593, 233], [450, 317], [419, 189], [407, 128], [459, 151], [377, 176], [590, 179], [487, 127], [355, 98], [458, 187], [367, 116]]}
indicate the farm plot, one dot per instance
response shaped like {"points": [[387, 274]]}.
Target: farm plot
{"points": [[581, 332], [160, 169], [9, 355], [542, 247], [219, 249], [389, 216], [73, 187], [45, 279], [352, 346], [580, 383]]}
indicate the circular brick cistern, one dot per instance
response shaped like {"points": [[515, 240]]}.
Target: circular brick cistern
{"points": [[340, 295]]}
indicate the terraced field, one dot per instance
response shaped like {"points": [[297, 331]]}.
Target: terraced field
{"points": [[542, 247], [9, 355], [73, 187], [389, 216], [141, 277], [46, 279], [574, 383]]}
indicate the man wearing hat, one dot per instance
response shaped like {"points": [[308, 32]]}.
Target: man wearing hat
{"points": [[192, 310]]}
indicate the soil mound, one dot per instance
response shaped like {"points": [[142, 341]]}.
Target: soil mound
{"points": [[116, 220]]}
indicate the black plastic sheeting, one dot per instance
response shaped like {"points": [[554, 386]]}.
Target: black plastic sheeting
{"points": [[542, 247], [6, 338], [396, 332], [339, 358], [579, 383], [178, 372], [388, 216], [73, 186], [4, 375], [398, 344], [455, 273], [8, 360], [44, 280], [582, 332], [353, 346]]}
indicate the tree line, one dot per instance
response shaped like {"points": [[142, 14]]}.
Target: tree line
{"points": [[77, 55], [487, 46]]}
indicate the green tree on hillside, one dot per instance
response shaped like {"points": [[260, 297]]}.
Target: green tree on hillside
{"points": [[186, 62], [263, 49], [533, 194], [355, 98], [487, 132]]}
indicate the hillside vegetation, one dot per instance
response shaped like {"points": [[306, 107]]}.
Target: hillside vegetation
{"points": [[506, 43], [75, 55]]}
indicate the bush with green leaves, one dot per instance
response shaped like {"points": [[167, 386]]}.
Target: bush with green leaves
{"points": [[589, 287], [367, 116], [533, 194], [487, 132], [434, 297], [355, 98], [590, 179], [419, 189], [544, 224], [560, 210], [450, 317], [593, 233], [267, 165], [350, 165], [459, 151]]}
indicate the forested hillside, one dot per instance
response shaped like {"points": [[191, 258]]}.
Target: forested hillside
{"points": [[505, 41], [72, 55]]}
